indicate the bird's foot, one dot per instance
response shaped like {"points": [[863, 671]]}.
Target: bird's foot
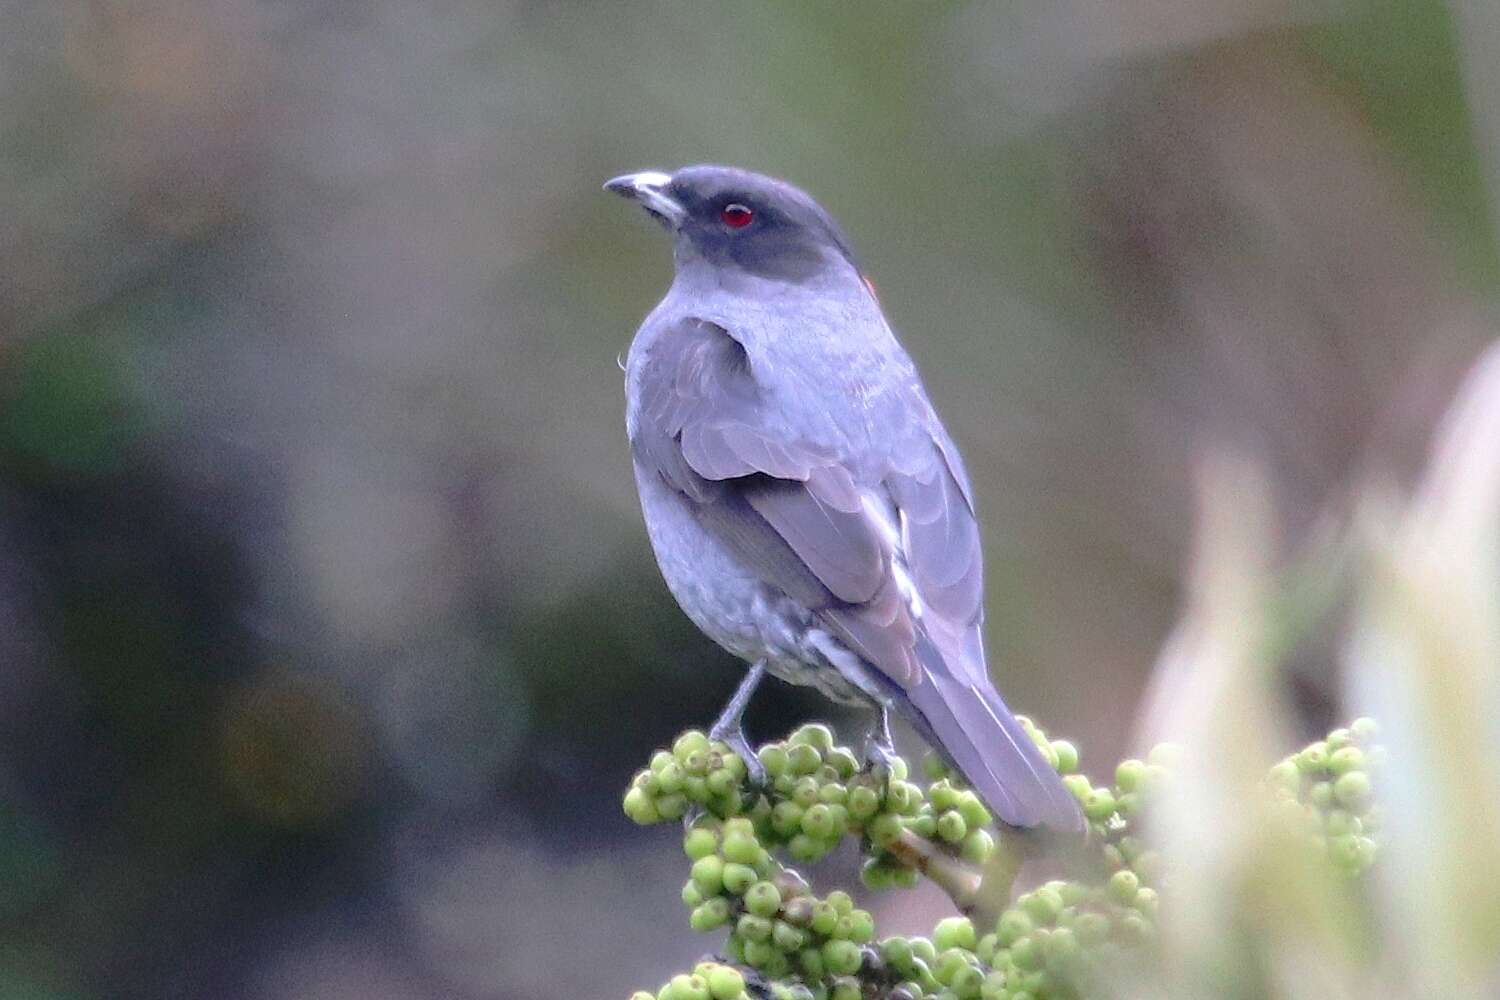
{"points": [[733, 736]]}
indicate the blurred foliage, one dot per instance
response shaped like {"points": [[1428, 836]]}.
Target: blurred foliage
{"points": [[323, 593]]}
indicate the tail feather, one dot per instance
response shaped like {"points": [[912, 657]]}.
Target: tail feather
{"points": [[971, 727]]}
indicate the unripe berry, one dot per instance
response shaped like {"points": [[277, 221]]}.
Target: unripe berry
{"points": [[753, 928], [1364, 729], [951, 826], [1123, 886], [710, 914], [863, 802], [1078, 785], [698, 843], [814, 734], [763, 899], [883, 830], [741, 849], [773, 757], [1313, 758], [842, 958], [842, 761], [978, 846], [1099, 804], [1067, 756], [1012, 926], [966, 982], [1128, 774], [640, 807], [1091, 928], [708, 875], [1353, 790], [738, 878], [788, 938], [725, 983], [803, 759], [953, 932], [1042, 905], [1346, 760]]}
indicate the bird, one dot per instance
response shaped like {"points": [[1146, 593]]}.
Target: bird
{"points": [[807, 508]]}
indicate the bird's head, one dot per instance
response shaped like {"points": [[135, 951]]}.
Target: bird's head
{"points": [[741, 223]]}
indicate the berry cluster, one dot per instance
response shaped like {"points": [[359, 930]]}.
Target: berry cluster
{"points": [[816, 794], [1327, 786], [1051, 943]]}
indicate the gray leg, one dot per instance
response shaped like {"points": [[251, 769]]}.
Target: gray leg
{"points": [[880, 749], [729, 729]]}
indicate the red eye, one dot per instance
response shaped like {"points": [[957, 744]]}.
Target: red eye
{"points": [[736, 216]]}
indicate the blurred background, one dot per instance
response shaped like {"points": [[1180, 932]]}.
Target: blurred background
{"points": [[329, 633]]}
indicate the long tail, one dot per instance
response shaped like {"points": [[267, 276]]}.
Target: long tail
{"points": [[971, 727]]}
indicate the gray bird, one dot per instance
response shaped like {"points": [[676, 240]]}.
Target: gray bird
{"points": [[807, 508]]}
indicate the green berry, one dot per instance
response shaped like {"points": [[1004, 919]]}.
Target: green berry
{"points": [[1123, 886], [825, 918], [753, 928], [672, 806], [788, 938], [978, 846], [760, 954], [923, 824], [763, 899], [863, 802], [1321, 794], [1128, 774], [1346, 760], [861, 926], [1352, 790], [1042, 905], [689, 742], [966, 982], [833, 794], [725, 983], [1012, 926], [884, 830], [786, 818], [710, 914], [953, 932], [691, 894], [1313, 758], [708, 875], [773, 757], [842, 958], [1026, 954], [973, 811], [803, 759], [1099, 804], [699, 843], [902, 797], [805, 791], [640, 807], [738, 878], [897, 952], [818, 822], [685, 987], [813, 734], [842, 761], [1364, 729], [811, 960], [1338, 739], [1067, 756], [951, 826], [642, 995], [1078, 785], [742, 849], [1286, 775], [1145, 901]]}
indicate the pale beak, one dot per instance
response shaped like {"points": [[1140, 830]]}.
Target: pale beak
{"points": [[649, 189]]}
